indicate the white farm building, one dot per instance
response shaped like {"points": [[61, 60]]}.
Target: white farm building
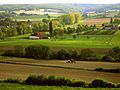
{"points": [[33, 37]]}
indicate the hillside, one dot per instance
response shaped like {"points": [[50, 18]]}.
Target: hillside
{"points": [[62, 7]]}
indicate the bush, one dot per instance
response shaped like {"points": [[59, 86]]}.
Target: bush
{"points": [[114, 54], [78, 84], [74, 55], [99, 69], [37, 52], [110, 85], [118, 85], [113, 70], [108, 70], [61, 81], [13, 80], [51, 81], [107, 59], [9, 53], [19, 51], [36, 80], [63, 54], [101, 83], [86, 54]]}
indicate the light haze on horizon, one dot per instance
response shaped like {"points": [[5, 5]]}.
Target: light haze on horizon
{"points": [[59, 1]]}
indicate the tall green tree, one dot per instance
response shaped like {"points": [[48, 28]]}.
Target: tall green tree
{"points": [[111, 20], [1, 34], [50, 28]]}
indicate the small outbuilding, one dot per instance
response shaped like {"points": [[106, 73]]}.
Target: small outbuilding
{"points": [[33, 37]]}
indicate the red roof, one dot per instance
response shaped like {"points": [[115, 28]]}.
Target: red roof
{"points": [[41, 34]]}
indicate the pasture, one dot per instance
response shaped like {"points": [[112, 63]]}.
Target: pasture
{"points": [[81, 70], [66, 41]]}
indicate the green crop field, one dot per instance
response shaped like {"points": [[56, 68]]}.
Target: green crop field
{"points": [[67, 41], [9, 86]]}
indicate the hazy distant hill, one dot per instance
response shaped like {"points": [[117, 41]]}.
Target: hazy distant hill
{"points": [[100, 7], [63, 7]]}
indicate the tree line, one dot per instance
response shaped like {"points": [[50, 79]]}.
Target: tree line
{"points": [[45, 53], [43, 80], [9, 28], [70, 18]]}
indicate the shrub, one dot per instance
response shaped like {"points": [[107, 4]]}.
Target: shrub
{"points": [[37, 52], [51, 80], [63, 54], [108, 70], [99, 69], [86, 54], [9, 53], [74, 55], [107, 59], [36, 80], [78, 84], [61, 81], [110, 85], [13, 80], [118, 85], [113, 70], [101, 83], [19, 51]]}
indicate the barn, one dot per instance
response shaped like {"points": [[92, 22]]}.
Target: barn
{"points": [[41, 35], [33, 37]]}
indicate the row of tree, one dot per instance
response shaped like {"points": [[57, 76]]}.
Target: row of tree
{"points": [[10, 28], [80, 28], [61, 81], [13, 31], [44, 52], [70, 18]]}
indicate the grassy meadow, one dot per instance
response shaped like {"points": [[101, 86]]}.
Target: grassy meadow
{"points": [[67, 41]]}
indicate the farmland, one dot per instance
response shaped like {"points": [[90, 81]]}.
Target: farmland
{"points": [[32, 17], [78, 46], [67, 41], [21, 68], [97, 21], [36, 15]]}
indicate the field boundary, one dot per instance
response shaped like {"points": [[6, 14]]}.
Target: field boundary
{"points": [[44, 65]]}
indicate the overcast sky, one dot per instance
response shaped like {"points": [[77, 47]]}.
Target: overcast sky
{"points": [[59, 1]]}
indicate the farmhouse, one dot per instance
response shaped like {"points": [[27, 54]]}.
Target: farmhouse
{"points": [[33, 37], [39, 35]]}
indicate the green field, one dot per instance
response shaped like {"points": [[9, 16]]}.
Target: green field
{"points": [[9, 86], [33, 17], [67, 41]]}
